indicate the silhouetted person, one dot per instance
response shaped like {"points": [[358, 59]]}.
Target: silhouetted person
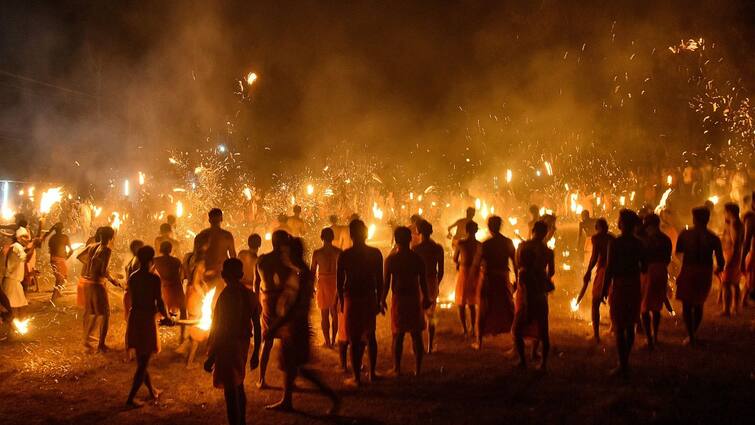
{"points": [[166, 235], [96, 303], [600, 242], [731, 241], [697, 246], [461, 227], [325, 268], [747, 261], [433, 257], [654, 277], [60, 251], [467, 258], [296, 224], [623, 286], [496, 309], [168, 268], [249, 258], [220, 246], [131, 266], [141, 330], [292, 326], [272, 272], [536, 269], [405, 277], [360, 287], [234, 321]]}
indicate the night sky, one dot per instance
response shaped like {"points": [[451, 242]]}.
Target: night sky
{"points": [[85, 82]]}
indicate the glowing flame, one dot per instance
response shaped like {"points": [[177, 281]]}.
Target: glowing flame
{"points": [[247, 192], [96, 210], [125, 187], [371, 231], [7, 213], [420, 211], [49, 198], [328, 192], [513, 221], [714, 199], [251, 78], [172, 161], [485, 211], [566, 267], [76, 245], [115, 220], [574, 305], [376, 211], [662, 205], [477, 203], [548, 168], [622, 200], [179, 209], [22, 326], [141, 178], [268, 236], [293, 200], [552, 243], [205, 321], [310, 189], [516, 242], [509, 176], [669, 180]]}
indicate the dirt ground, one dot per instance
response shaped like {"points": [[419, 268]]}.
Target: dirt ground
{"points": [[47, 379]]}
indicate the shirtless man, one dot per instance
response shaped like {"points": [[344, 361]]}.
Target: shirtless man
{"points": [[360, 286], [220, 246], [433, 257], [249, 258], [747, 260], [324, 268], [461, 227], [341, 238], [96, 303], [731, 241], [405, 276], [415, 219], [60, 251], [269, 278], [296, 224], [600, 242], [166, 235]]}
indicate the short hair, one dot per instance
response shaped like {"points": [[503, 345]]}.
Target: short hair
{"points": [[297, 209], [540, 229], [471, 227], [602, 223], [585, 214], [215, 213], [280, 238], [145, 255], [166, 247], [58, 227], [700, 215], [494, 223], [534, 209], [732, 208], [471, 211], [254, 240], [327, 234], [357, 230], [106, 234], [170, 219], [425, 228], [282, 218], [403, 235], [166, 228], [333, 219], [98, 234], [135, 245], [233, 270], [628, 219], [652, 220]]}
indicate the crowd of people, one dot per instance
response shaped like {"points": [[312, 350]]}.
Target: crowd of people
{"points": [[258, 298]]}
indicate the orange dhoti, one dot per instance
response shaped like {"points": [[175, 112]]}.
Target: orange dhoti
{"points": [[598, 283], [467, 283], [230, 363], [173, 295], [59, 269], [693, 283], [654, 287], [326, 291], [531, 316], [359, 317], [141, 332], [268, 301], [496, 313], [342, 337], [81, 287], [407, 314], [433, 290], [625, 299]]}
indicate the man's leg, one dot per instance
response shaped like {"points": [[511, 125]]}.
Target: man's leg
{"points": [[398, 348], [333, 325], [267, 346], [647, 325], [325, 325], [463, 319], [519, 345], [372, 353], [473, 317], [231, 404], [689, 322], [656, 325], [357, 352], [431, 330], [596, 319], [314, 378], [141, 369], [419, 351], [343, 354]]}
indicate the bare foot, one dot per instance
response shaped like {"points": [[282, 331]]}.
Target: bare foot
{"points": [[352, 383], [374, 377], [155, 394], [393, 373], [281, 406], [103, 349], [476, 346], [335, 406]]}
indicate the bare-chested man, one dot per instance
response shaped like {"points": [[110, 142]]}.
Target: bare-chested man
{"points": [[220, 246], [731, 242], [467, 257], [405, 276], [249, 258], [269, 279], [296, 224], [747, 260], [324, 270], [433, 257], [360, 286], [60, 251], [600, 242], [166, 235], [461, 227], [341, 238]]}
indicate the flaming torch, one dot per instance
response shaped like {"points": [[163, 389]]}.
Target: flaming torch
{"points": [[22, 326], [50, 198], [574, 305], [179, 209], [205, 321]]}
